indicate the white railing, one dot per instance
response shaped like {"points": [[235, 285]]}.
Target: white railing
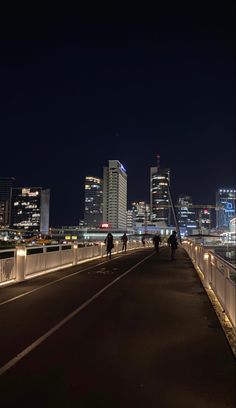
{"points": [[7, 265], [23, 262], [217, 274]]}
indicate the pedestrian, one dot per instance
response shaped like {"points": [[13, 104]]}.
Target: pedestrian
{"points": [[172, 241], [109, 243], [124, 240], [156, 241], [143, 240]]}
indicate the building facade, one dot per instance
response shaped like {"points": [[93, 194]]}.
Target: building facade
{"points": [[93, 202], [225, 207], [186, 215], [160, 210], [30, 209], [115, 195], [6, 184], [130, 220], [204, 220], [141, 211]]}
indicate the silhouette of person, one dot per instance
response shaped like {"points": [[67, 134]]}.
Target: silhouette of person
{"points": [[124, 240], [143, 240], [156, 241], [173, 243], [109, 243]]}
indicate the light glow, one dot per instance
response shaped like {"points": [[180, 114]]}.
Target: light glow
{"points": [[21, 252]]}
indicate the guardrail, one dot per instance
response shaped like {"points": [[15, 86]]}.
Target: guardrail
{"points": [[23, 262], [217, 274]]}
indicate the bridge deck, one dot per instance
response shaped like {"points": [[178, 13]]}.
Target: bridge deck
{"points": [[151, 339]]}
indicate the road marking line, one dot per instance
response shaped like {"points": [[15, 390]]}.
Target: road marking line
{"points": [[57, 280], [48, 284], [70, 316]]}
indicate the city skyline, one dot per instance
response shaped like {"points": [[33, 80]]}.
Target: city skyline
{"points": [[79, 87], [79, 215], [90, 199]]}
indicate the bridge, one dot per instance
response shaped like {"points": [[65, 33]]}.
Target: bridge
{"points": [[138, 330]]}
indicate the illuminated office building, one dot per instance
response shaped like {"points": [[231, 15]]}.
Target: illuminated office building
{"points": [[93, 202], [130, 220], [30, 209], [2, 213], [159, 196], [186, 214], [141, 212], [115, 195], [204, 219], [225, 207], [6, 184]]}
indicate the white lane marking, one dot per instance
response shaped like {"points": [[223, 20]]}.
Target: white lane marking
{"points": [[70, 316], [48, 284], [55, 281]]}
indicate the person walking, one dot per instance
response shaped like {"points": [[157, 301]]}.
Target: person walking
{"points": [[173, 243], [109, 243], [124, 240], [156, 242], [143, 240]]}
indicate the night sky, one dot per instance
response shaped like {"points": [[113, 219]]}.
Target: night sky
{"points": [[82, 86]]}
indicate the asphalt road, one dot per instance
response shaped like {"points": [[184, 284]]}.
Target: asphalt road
{"points": [[136, 331]]}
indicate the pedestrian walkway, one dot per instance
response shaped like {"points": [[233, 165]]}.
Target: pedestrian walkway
{"points": [[151, 339], [191, 357]]}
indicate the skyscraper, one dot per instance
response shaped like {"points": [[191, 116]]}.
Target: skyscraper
{"points": [[141, 211], [130, 220], [44, 210], [204, 219], [6, 184], [115, 195], [159, 196], [186, 214], [93, 201], [225, 207], [30, 209]]}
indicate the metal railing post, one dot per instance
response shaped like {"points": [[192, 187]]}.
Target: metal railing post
{"points": [[101, 248], [20, 263], [206, 271], [75, 254]]}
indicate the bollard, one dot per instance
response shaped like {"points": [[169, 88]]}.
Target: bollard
{"points": [[20, 263]]}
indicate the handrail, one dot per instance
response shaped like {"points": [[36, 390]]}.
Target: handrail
{"points": [[215, 273], [23, 264], [229, 264]]}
